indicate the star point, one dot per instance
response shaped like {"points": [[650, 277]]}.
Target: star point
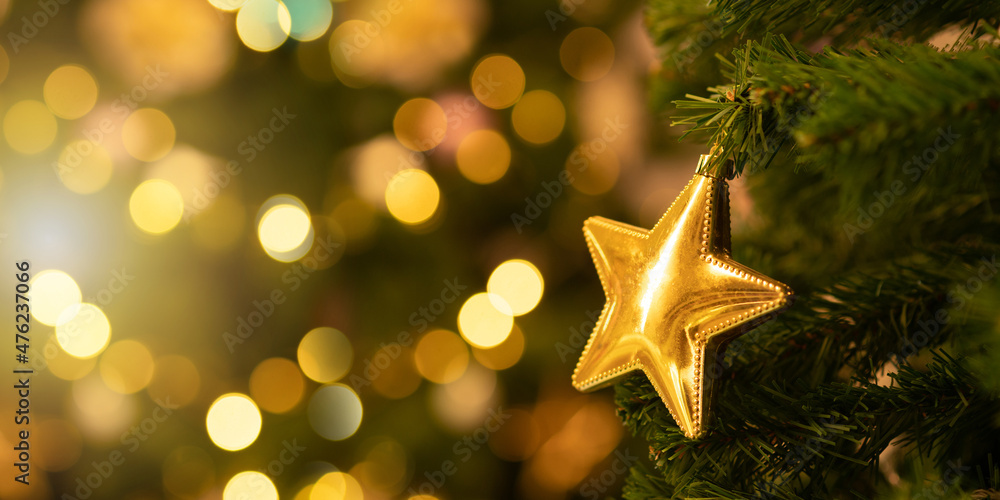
{"points": [[675, 298]]}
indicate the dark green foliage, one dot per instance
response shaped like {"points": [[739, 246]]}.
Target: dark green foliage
{"points": [[838, 109], [893, 342]]}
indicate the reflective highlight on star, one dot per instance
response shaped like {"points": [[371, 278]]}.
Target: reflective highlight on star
{"points": [[675, 298]]}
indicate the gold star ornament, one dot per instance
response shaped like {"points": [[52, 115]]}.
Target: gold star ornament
{"points": [[675, 299]]}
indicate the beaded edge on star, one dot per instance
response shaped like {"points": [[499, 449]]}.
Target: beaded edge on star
{"points": [[700, 336], [635, 364]]}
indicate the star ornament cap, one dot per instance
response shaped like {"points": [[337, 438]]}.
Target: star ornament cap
{"points": [[675, 299]]}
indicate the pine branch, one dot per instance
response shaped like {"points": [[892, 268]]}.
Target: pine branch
{"points": [[788, 441], [851, 19], [788, 407], [822, 224], [839, 109], [868, 319], [836, 22]]}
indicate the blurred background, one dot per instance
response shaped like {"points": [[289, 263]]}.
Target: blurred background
{"points": [[321, 250]]}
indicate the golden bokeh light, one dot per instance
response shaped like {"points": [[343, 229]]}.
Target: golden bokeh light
{"points": [[220, 226], [420, 124], [250, 485], [83, 330], [348, 56], [585, 434], [102, 414], [423, 497], [188, 472], [52, 291], [156, 206], [504, 355], [276, 384], [148, 134], [195, 174], [64, 366], [233, 422], [375, 163], [385, 465], [175, 377], [336, 486], [283, 228], [483, 156], [593, 168], [335, 412], [263, 25], [227, 5], [441, 356], [520, 285], [29, 127], [412, 196], [539, 117], [463, 404], [57, 444], [485, 320], [309, 18], [408, 45], [325, 354], [305, 493], [397, 377], [587, 54], [70, 91], [159, 47], [84, 167], [126, 366], [497, 81]]}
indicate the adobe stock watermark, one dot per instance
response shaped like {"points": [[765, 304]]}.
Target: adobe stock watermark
{"points": [[566, 8], [945, 487], [290, 452], [249, 149], [796, 460], [70, 330], [380, 20], [87, 485], [65, 332], [902, 13], [694, 46], [31, 25], [123, 106], [463, 449], [260, 487], [420, 319], [578, 337], [116, 285], [264, 308], [915, 168], [579, 161], [598, 485], [738, 345], [455, 116], [784, 129], [957, 297]]}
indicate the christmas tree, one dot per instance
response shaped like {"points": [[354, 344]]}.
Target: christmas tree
{"points": [[867, 134], [315, 249]]}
